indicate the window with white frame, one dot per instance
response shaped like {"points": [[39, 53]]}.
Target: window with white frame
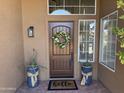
{"points": [[86, 40], [70, 7], [108, 41]]}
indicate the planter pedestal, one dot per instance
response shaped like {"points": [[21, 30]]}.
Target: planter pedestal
{"points": [[86, 75], [32, 77]]}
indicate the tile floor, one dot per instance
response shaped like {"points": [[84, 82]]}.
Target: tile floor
{"points": [[96, 87]]}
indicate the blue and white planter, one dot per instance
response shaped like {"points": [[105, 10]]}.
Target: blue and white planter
{"points": [[87, 75], [32, 76]]}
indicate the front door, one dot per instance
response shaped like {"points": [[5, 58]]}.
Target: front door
{"points": [[61, 57]]}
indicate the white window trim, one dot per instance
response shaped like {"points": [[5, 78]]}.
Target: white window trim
{"points": [[73, 6], [107, 67], [101, 28], [82, 61]]}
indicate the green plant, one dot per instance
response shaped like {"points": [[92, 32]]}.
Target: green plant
{"points": [[87, 64], [33, 62], [120, 32]]}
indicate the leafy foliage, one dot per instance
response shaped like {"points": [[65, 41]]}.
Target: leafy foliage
{"points": [[121, 56], [87, 64], [120, 32], [120, 4], [33, 60], [121, 17]]}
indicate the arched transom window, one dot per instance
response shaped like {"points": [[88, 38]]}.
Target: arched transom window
{"points": [[72, 7]]}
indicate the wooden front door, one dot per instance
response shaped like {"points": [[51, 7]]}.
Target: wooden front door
{"points": [[61, 59]]}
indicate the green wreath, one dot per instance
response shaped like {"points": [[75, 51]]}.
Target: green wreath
{"points": [[61, 39]]}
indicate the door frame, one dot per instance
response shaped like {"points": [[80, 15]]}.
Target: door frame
{"points": [[72, 49]]}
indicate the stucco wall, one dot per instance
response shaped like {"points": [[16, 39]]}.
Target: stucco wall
{"points": [[35, 14], [114, 81], [11, 46]]}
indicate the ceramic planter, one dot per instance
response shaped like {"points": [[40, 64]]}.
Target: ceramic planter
{"points": [[32, 76], [87, 75]]}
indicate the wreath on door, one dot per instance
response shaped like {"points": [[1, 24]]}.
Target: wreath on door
{"points": [[61, 39]]}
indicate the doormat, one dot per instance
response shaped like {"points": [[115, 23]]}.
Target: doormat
{"points": [[62, 85]]}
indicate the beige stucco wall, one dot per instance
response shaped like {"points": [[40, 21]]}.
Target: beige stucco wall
{"points": [[11, 46], [35, 14], [114, 81]]}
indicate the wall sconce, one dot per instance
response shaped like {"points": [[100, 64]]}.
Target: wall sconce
{"points": [[30, 31]]}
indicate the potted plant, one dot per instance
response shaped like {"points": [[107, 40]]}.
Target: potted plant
{"points": [[87, 67], [87, 74], [86, 71], [33, 72]]}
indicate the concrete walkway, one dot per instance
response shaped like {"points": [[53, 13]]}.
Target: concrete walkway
{"points": [[96, 87]]}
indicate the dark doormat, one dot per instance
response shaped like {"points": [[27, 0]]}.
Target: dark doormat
{"points": [[62, 85]]}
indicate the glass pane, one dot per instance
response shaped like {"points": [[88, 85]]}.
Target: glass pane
{"points": [[56, 2], [82, 10], [90, 10], [81, 26], [72, 2], [91, 36], [110, 26], [105, 39], [111, 64], [105, 23], [82, 46], [90, 57], [104, 56], [90, 47], [91, 32], [108, 51], [87, 2], [92, 26], [108, 41], [73, 6], [114, 38], [83, 56], [73, 10], [82, 36], [86, 26], [51, 9], [113, 51], [87, 33], [105, 48], [90, 51], [113, 16], [87, 10], [114, 23]]}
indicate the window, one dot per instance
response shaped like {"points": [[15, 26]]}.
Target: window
{"points": [[108, 41], [86, 40], [83, 7]]}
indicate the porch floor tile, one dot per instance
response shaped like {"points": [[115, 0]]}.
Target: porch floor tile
{"points": [[96, 87]]}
